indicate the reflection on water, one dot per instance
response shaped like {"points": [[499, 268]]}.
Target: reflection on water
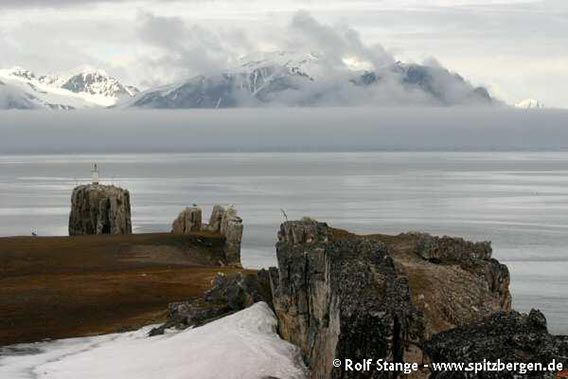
{"points": [[517, 200]]}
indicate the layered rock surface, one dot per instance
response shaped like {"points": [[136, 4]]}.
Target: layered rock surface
{"points": [[341, 298], [99, 209]]}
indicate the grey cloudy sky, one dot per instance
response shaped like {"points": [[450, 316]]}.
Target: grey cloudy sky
{"points": [[517, 48]]}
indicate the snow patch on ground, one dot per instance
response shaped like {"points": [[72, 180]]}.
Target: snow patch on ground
{"points": [[242, 345]]}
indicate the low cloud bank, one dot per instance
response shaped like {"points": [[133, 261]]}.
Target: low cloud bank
{"points": [[320, 129]]}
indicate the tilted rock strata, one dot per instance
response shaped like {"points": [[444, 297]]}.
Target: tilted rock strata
{"points": [[340, 299], [99, 209], [339, 295]]}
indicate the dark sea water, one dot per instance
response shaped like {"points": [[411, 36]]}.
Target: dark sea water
{"points": [[519, 201]]}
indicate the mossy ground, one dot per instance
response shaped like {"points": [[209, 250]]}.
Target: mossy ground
{"points": [[58, 287]]}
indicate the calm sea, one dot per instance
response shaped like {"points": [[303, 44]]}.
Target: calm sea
{"points": [[517, 200]]}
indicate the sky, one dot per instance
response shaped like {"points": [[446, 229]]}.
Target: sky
{"points": [[518, 49]]}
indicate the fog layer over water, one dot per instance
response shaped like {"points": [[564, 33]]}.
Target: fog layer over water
{"points": [[517, 200], [283, 129]]}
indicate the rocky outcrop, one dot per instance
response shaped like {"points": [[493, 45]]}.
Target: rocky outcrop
{"points": [[454, 282], [230, 293], [216, 218], [232, 228], [510, 337], [438, 249], [339, 299], [99, 209], [224, 221], [189, 220], [338, 295]]}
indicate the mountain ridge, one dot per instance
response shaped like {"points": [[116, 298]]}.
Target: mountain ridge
{"points": [[86, 88], [275, 79], [310, 80]]}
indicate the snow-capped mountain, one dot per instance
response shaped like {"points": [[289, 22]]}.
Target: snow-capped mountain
{"points": [[529, 104], [309, 80], [13, 97], [264, 79], [80, 89]]}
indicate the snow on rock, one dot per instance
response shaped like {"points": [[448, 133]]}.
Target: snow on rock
{"points": [[242, 345], [13, 97], [85, 88], [312, 79], [529, 104]]}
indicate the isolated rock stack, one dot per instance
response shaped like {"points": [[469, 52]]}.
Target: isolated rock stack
{"points": [[232, 228], [224, 221], [99, 209]]}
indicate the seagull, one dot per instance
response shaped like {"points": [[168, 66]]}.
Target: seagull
{"points": [[284, 214]]}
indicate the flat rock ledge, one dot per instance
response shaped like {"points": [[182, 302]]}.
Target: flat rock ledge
{"points": [[99, 209]]}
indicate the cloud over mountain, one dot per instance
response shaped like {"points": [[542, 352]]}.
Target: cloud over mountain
{"points": [[308, 64]]}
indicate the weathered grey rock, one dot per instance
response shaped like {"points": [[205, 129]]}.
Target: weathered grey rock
{"points": [[339, 295], [189, 220], [507, 336], [232, 229], [230, 293], [224, 221], [454, 282], [216, 218], [451, 249], [99, 209], [338, 299]]}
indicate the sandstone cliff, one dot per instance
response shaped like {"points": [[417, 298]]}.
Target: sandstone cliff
{"points": [[99, 209]]}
